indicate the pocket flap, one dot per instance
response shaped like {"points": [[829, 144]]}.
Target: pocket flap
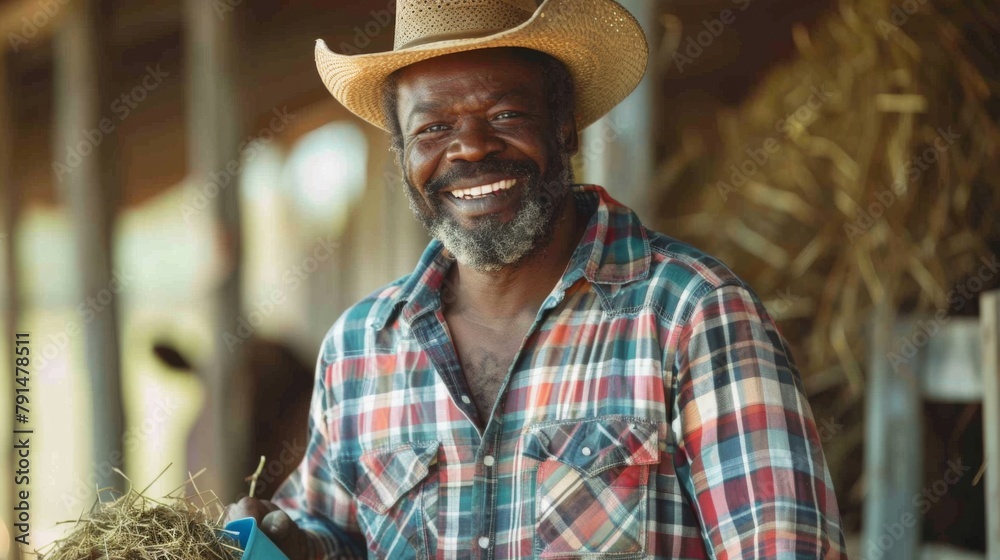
{"points": [[382, 476], [593, 446]]}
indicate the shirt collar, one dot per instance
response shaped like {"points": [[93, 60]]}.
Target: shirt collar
{"points": [[614, 250]]}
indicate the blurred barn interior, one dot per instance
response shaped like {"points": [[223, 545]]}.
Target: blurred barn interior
{"points": [[186, 211]]}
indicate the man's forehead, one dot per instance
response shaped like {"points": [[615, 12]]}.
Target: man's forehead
{"points": [[453, 81]]}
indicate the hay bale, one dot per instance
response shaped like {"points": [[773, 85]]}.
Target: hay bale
{"points": [[135, 527], [865, 172]]}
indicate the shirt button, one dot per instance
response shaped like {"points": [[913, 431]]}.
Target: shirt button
{"points": [[484, 542], [585, 451], [489, 460], [466, 399]]}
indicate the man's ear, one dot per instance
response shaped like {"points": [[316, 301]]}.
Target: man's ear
{"points": [[570, 134]]}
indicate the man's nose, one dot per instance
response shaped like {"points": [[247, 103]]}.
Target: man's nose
{"points": [[474, 140]]}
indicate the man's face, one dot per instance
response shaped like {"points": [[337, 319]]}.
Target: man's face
{"points": [[485, 168]]}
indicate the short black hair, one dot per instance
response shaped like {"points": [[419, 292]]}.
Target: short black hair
{"points": [[559, 87]]}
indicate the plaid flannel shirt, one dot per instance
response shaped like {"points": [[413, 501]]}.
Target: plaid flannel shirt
{"points": [[653, 411]]}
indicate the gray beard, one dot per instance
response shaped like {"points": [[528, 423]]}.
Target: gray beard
{"points": [[492, 245]]}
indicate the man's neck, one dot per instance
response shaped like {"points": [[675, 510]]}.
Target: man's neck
{"points": [[516, 292]]}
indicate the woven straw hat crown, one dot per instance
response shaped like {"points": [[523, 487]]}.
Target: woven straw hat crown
{"points": [[601, 44], [419, 22]]}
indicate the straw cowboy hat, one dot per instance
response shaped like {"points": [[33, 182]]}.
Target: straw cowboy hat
{"points": [[599, 41]]}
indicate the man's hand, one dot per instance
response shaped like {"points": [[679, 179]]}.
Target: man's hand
{"points": [[274, 522]]}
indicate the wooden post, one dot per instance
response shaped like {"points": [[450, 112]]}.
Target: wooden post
{"points": [[214, 137], [90, 191], [894, 444], [989, 311], [10, 206], [12, 28], [618, 150]]}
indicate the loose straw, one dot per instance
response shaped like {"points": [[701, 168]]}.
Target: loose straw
{"points": [[253, 478]]}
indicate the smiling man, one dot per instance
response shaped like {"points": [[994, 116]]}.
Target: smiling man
{"points": [[553, 380]]}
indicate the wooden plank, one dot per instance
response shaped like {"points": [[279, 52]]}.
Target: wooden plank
{"points": [[89, 190], [952, 368], [617, 151], [214, 138], [989, 306], [893, 447]]}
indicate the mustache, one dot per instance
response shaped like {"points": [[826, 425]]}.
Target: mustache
{"points": [[470, 170]]}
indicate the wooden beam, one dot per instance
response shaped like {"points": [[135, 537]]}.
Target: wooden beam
{"points": [[893, 446], [89, 190], [214, 137], [989, 311], [617, 152]]}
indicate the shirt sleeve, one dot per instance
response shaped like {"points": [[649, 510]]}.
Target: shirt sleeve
{"points": [[750, 455], [312, 497]]}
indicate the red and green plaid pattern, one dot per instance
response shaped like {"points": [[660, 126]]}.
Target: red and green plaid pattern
{"points": [[653, 412]]}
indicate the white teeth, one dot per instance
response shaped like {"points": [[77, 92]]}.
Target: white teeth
{"points": [[477, 192]]}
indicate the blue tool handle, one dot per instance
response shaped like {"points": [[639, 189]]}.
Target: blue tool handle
{"points": [[253, 541]]}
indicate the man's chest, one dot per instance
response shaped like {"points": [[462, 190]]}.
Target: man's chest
{"points": [[486, 352], [582, 423], [416, 383]]}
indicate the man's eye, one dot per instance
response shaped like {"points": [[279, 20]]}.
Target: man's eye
{"points": [[434, 128], [507, 115]]}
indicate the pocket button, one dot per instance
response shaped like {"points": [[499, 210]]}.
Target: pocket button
{"points": [[586, 451], [484, 542]]}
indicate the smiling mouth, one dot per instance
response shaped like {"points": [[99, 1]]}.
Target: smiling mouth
{"points": [[484, 191]]}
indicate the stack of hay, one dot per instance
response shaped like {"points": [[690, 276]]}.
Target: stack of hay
{"points": [[864, 173], [136, 527]]}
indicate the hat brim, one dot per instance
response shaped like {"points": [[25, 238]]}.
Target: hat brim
{"points": [[599, 41]]}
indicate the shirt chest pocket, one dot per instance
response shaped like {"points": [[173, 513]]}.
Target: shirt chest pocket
{"points": [[387, 483], [591, 486]]}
